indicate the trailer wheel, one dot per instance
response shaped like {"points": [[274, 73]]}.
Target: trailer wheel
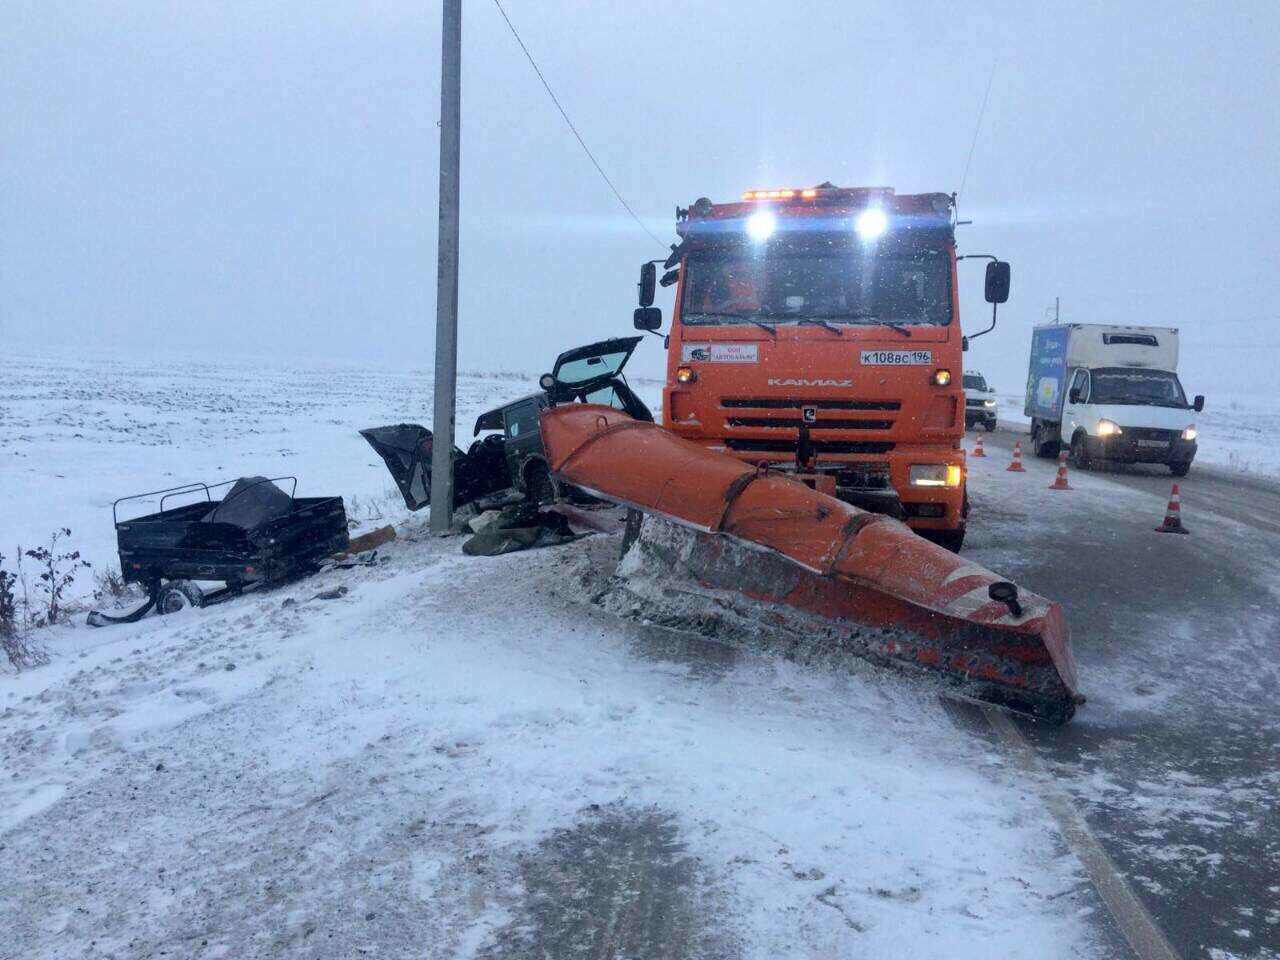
{"points": [[177, 595]]}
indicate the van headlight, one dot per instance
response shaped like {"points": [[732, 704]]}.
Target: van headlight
{"points": [[1108, 428], [935, 474], [1189, 433]]}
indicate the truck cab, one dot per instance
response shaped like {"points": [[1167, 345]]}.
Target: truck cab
{"points": [[817, 331], [1110, 393]]}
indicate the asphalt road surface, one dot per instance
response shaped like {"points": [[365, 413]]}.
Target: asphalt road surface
{"points": [[1175, 760]]}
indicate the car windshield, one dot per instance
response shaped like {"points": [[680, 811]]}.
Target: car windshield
{"points": [[1121, 385], [834, 282], [972, 382]]}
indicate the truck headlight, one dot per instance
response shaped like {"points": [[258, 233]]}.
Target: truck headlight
{"points": [[1108, 428], [935, 475], [685, 375], [1189, 433]]}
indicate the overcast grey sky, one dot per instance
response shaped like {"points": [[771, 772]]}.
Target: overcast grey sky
{"points": [[262, 175]]}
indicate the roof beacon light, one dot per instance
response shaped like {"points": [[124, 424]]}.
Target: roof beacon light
{"points": [[761, 224], [769, 195], [871, 223]]}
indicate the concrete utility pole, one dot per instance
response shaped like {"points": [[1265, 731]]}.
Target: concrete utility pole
{"points": [[447, 274]]}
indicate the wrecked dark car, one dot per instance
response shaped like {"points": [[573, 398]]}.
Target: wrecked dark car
{"points": [[509, 461]]}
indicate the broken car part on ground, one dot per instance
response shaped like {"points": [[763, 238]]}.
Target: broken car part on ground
{"points": [[255, 534]]}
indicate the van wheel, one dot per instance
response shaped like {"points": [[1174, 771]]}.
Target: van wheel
{"points": [[541, 488], [1080, 453], [952, 540]]}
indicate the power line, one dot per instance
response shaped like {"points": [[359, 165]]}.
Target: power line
{"points": [[977, 127], [626, 206]]}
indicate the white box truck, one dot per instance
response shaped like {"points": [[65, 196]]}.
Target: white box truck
{"points": [[1110, 393]]}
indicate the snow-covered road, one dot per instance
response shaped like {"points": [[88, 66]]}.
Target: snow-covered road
{"points": [[465, 757]]}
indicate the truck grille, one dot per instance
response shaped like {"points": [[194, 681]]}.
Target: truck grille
{"points": [[747, 445], [788, 423], [795, 403]]}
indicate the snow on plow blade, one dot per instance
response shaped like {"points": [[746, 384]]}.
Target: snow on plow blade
{"points": [[891, 595]]}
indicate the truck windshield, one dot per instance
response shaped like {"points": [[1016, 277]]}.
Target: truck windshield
{"points": [[838, 283], [1127, 385]]}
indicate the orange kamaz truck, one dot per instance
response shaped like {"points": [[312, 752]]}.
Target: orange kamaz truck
{"points": [[817, 331]]}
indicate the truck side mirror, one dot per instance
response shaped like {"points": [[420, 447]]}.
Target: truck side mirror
{"points": [[964, 344], [648, 283], [647, 318], [1074, 395], [997, 281], [1198, 405]]}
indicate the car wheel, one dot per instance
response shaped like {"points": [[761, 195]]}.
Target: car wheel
{"points": [[539, 485], [990, 426], [178, 595], [1080, 453], [1181, 468]]}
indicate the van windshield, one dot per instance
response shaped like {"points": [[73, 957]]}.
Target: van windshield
{"points": [[1126, 385], [838, 283]]}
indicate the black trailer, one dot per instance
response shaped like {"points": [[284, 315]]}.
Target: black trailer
{"points": [[254, 534]]}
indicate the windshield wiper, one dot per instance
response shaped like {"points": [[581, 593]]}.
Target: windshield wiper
{"points": [[819, 322], [896, 327], [740, 318]]}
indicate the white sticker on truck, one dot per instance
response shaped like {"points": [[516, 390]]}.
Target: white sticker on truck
{"points": [[720, 353], [897, 358]]}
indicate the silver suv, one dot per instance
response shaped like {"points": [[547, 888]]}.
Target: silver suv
{"points": [[979, 401]]}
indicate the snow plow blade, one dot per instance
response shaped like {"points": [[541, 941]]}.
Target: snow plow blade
{"points": [[889, 595]]}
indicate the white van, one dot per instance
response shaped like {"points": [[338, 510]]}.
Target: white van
{"points": [[1110, 393]]}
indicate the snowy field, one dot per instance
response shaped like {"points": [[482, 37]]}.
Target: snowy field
{"points": [[460, 756], [1236, 432]]}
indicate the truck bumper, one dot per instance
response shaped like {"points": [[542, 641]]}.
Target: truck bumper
{"points": [[881, 483]]}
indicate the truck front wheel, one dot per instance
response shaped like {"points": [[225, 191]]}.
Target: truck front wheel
{"points": [[951, 540]]}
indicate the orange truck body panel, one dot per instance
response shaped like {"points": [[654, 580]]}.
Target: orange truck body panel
{"points": [[895, 596], [752, 390]]}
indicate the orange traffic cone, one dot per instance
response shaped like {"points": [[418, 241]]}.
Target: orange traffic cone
{"points": [[978, 451], [1016, 466], [1173, 515], [1061, 482]]}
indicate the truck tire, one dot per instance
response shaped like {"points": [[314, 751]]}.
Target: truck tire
{"points": [[1180, 468], [952, 540], [1080, 452], [1042, 448], [178, 595]]}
